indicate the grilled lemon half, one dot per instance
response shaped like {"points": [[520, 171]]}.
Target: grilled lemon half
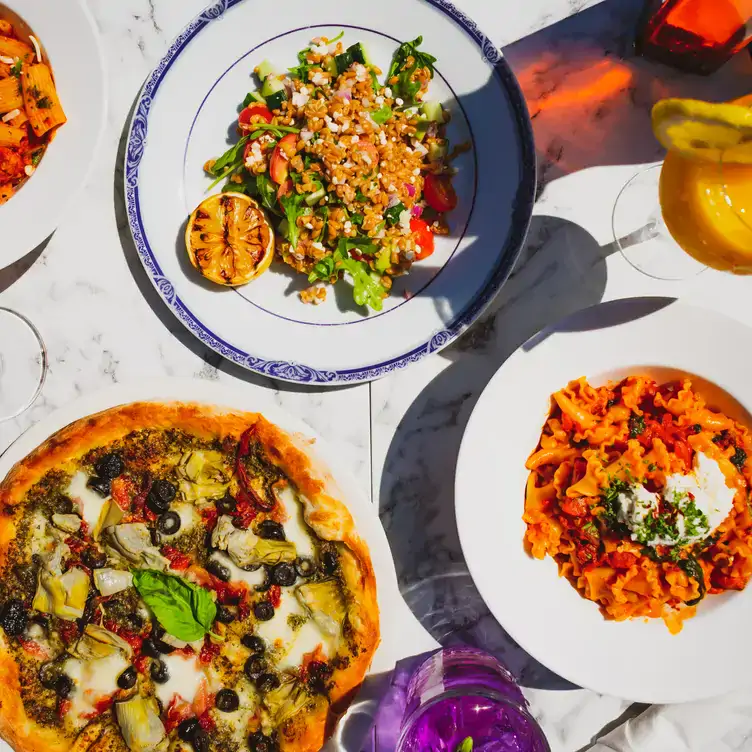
{"points": [[229, 239]]}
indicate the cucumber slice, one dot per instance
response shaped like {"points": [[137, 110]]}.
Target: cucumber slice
{"points": [[274, 101], [315, 197], [433, 111], [331, 66], [265, 69], [271, 86], [422, 128], [253, 96], [437, 152], [343, 61], [359, 53]]}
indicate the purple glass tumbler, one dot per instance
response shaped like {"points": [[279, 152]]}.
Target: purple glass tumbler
{"points": [[460, 693]]}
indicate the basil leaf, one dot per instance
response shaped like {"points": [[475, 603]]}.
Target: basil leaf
{"points": [[185, 610]]}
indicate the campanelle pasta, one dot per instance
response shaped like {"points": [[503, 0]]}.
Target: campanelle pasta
{"points": [[639, 491]]}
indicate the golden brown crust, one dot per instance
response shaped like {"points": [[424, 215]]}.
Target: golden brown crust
{"points": [[328, 517]]}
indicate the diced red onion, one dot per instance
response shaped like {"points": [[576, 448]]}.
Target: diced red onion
{"points": [[345, 94], [393, 200], [410, 188], [417, 210]]}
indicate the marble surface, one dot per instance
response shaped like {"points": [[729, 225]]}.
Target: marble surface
{"points": [[103, 323]]}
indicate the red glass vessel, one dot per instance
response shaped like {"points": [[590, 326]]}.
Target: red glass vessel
{"points": [[698, 36]]}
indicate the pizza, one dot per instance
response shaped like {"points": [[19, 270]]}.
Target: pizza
{"points": [[177, 577]]}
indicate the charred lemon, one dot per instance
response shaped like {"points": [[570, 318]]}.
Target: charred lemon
{"points": [[229, 239]]}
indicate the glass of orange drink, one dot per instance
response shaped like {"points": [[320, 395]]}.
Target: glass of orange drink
{"points": [[694, 211]]}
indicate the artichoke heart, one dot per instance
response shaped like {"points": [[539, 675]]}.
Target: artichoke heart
{"points": [[63, 596], [203, 475], [111, 581], [325, 602], [267, 552], [246, 549], [285, 701], [140, 724], [132, 541], [98, 642], [68, 523], [109, 515]]}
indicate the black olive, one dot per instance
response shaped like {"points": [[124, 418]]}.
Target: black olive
{"points": [[258, 742], [227, 700], [162, 492], [26, 574], [266, 584], [94, 558], [169, 523], [226, 505], [263, 611], [133, 622], [305, 567], [49, 674], [255, 666], [219, 570], [159, 672], [63, 505], [13, 617], [329, 562], [200, 740], [270, 530], [160, 645], [253, 643], [267, 682], [127, 678], [63, 686], [225, 615], [318, 676], [157, 505], [156, 538], [188, 728], [109, 466], [149, 648], [284, 574], [100, 485]]}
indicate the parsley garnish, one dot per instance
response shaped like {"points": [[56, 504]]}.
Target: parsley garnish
{"points": [[610, 503], [15, 69], [36, 156], [739, 458], [636, 425], [43, 103]]}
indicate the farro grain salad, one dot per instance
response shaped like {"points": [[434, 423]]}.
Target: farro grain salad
{"points": [[336, 174]]}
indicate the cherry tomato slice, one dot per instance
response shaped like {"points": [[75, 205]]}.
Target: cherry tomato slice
{"points": [[278, 166], [423, 237], [260, 110], [439, 193]]}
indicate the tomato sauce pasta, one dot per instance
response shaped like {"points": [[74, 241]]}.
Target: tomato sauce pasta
{"points": [[639, 491]]}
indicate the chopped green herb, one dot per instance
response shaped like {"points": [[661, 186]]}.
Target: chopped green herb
{"points": [[739, 458], [357, 218], [610, 504], [36, 157], [44, 103], [697, 428], [611, 403], [636, 425], [392, 215], [381, 115], [652, 467], [15, 69], [359, 196]]}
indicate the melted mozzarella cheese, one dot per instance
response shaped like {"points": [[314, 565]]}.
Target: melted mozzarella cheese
{"points": [[288, 642], [185, 678], [296, 528], [89, 502], [93, 681], [236, 573]]}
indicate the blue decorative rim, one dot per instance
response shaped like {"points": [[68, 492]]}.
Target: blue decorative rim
{"points": [[298, 372]]}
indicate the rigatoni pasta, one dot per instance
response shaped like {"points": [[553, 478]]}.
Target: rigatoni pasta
{"points": [[30, 109], [639, 491]]}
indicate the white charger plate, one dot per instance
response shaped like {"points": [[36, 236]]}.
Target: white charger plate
{"points": [[66, 31], [401, 633], [186, 115], [638, 660]]}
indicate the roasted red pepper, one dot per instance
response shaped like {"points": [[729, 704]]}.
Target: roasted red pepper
{"points": [[246, 492]]}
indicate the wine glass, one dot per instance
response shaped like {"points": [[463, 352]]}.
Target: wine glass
{"points": [[23, 363]]}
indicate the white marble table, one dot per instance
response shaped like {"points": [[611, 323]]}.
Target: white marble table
{"points": [[103, 323]]}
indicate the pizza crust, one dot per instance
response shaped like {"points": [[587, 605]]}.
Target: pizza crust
{"points": [[323, 512]]}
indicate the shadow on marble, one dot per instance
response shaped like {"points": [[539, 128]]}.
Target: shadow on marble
{"points": [[583, 72], [13, 272], [561, 270], [214, 361]]}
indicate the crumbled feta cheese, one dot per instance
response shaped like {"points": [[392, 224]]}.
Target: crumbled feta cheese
{"points": [[382, 138], [319, 79], [399, 102], [29, 169], [360, 72], [355, 139], [348, 226], [254, 156], [379, 176], [345, 125], [306, 135], [420, 148], [309, 226], [320, 49], [347, 165], [404, 219], [379, 100], [416, 171], [391, 188], [412, 178], [365, 102], [388, 92], [318, 246], [299, 98], [333, 127]]}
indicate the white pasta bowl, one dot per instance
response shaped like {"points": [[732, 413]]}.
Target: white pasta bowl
{"points": [[68, 37], [638, 660]]}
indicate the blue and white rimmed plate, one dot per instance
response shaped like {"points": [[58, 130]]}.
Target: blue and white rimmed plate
{"points": [[185, 115]]}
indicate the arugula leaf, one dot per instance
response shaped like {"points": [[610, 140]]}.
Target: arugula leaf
{"points": [[382, 115], [232, 156], [392, 215], [185, 610], [267, 192], [363, 243], [405, 87], [293, 205]]}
